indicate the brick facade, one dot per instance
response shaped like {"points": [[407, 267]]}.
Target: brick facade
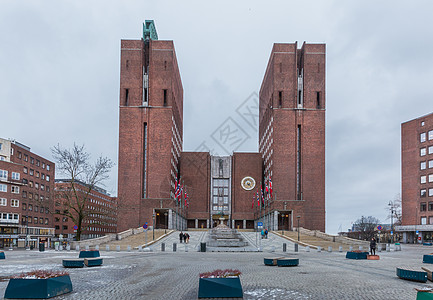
{"points": [[291, 149]]}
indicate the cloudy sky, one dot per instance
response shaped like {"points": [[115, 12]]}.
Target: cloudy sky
{"points": [[59, 78]]}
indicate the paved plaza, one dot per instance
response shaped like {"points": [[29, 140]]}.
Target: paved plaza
{"points": [[174, 275]]}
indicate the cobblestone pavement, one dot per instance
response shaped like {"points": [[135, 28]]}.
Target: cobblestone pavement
{"points": [[174, 275]]}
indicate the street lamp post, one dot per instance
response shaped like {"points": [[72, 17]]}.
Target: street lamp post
{"points": [[153, 226], [282, 217], [298, 217], [166, 223], [27, 231], [391, 206]]}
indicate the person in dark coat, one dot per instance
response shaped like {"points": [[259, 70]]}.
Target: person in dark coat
{"points": [[181, 237], [373, 246]]}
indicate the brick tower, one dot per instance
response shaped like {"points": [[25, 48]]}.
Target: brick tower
{"points": [[150, 129], [292, 133]]}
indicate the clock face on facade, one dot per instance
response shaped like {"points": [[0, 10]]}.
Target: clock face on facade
{"points": [[248, 183]]}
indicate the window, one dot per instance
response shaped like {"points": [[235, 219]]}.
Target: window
{"points": [[423, 179], [430, 206], [423, 151], [20, 155], [15, 203], [430, 192], [3, 202], [37, 174], [422, 123], [38, 163], [41, 220], [422, 137], [3, 174], [3, 188], [48, 167], [42, 176], [215, 208], [318, 100], [26, 157], [430, 219], [430, 164], [32, 160], [43, 165], [423, 193], [31, 171], [165, 97], [423, 165], [15, 176], [36, 185], [423, 206], [29, 219], [423, 220], [430, 178], [430, 135], [30, 207], [30, 183], [215, 200], [48, 178], [35, 220], [57, 227], [25, 170], [42, 187], [280, 99], [65, 227], [15, 189], [65, 219], [36, 208], [46, 221], [430, 150]]}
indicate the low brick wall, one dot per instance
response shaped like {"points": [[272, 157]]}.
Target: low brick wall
{"points": [[107, 238]]}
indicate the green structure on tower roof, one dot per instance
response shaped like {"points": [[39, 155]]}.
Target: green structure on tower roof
{"points": [[149, 30]]}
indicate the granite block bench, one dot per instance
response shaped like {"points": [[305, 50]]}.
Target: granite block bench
{"points": [[93, 261], [427, 258], [73, 262], [413, 274], [271, 261], [287, 262]]}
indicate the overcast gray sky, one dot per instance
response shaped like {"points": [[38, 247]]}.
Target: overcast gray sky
{"points": [[59, 78]]}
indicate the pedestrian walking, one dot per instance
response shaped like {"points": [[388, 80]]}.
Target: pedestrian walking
{"points": [[373, 246], [266, 233], [186, 237], [181, 237], [263, 233]]}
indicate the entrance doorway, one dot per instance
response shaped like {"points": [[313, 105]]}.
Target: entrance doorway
{"points": [[285, 220], [161, 219]]}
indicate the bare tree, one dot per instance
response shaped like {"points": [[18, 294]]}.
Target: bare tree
{"points": [[82, 178], [394, 208], [366, 227]]}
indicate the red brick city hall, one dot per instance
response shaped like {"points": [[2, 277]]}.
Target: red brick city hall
{"points": [[160, 184]]}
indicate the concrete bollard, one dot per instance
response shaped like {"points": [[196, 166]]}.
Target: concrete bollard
{"points": [[129, 248], [360, 248], [162, 247], [97, 247], [77, 248], [186, 248], [68, 247], [388, 247], [340, 249], [296, 247], [118, 248], [107, 248], [174, 247], [284, 247], [60, 247], [87, 247], [56, 247], [319, 249], [379, 248], [307, 249], [350, 248], [329, 248]]}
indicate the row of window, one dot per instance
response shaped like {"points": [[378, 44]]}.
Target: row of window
{"points": [[32, 161], [36, 196], [34, 220], [32, 172], [36, 185], [424, 220], [423, 151], [14, 189], [14, 202], [423, 164], [220, 208], [4, 175], [423, 136], [8, 216], [35, 208], [423, 192], [424, 178]]}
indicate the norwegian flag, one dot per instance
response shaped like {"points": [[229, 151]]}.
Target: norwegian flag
{"points": [[180, 194], [258, 198], [270, 185], [176, 190], [186, 199], [267, 190], [263, 198]]}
